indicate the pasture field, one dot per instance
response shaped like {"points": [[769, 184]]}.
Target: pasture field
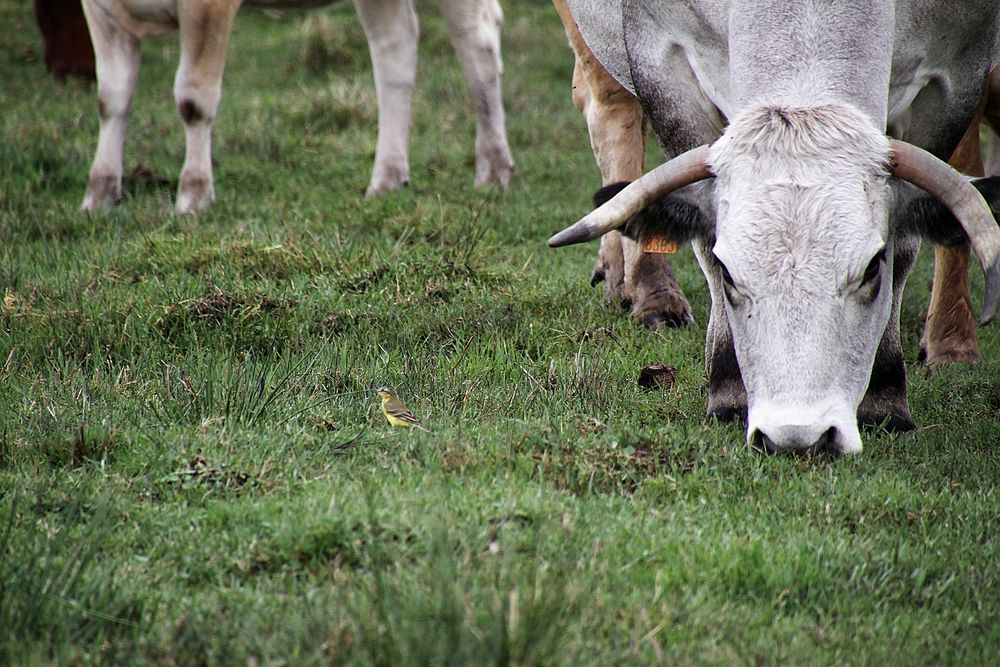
{"points": [[193, 469]]}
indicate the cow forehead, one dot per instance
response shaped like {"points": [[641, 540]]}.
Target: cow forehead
{"points": [[823, 233], [800, 188]]}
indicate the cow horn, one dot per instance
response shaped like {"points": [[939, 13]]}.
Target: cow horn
{"points": [[939, 179], [684, 169]]}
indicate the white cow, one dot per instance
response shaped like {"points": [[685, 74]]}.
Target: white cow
{"points": [[118, 26], [796, 127]]}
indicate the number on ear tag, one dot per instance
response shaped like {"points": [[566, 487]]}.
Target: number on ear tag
{"points": [[658, 245]]}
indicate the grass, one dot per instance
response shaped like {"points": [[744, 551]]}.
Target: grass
{"points": [[193, 469]]}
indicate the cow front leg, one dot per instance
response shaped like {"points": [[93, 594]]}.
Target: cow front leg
{"points": [[204, 29], [474, 29], [392, 31], [117, 59], [885, 399], [727, 396], [950, 329], [651, 287], [618, 129]]}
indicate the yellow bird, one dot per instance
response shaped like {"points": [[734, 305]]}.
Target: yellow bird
{"points": [[395, 411]]}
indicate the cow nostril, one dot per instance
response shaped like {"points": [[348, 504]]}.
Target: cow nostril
{"points": [[827, 444], [759, 442]]}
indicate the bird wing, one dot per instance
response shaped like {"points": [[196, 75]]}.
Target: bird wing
{"points": [[403, 414]]}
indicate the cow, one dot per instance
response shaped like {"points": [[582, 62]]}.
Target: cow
{"points": [[64, 34], [118, 26], [618, 128], [808, 142]]}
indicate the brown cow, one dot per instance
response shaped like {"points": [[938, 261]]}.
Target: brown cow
{"points": [[618, 130], [64, 31]]}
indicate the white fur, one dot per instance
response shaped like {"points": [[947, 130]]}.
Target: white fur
{"points": [[801, 199]]}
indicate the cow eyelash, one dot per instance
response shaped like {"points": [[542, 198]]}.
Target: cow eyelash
{"points": [[874, 267], [726, 276]]}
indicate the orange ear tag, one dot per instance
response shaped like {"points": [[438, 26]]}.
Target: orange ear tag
{"points": [[658, 245]]}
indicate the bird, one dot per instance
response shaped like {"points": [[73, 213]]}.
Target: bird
{"points": [[395, 411]]}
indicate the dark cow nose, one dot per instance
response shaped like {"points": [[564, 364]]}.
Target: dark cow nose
{"points": [[795, 440]]}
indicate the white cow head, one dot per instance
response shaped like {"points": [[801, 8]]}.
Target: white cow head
{"points": [[800, 251], [801, 242]]}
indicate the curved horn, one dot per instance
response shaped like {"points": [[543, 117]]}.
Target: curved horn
{"points": [[937, 178], [683, 170]]}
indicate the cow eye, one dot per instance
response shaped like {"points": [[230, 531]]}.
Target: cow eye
{"points": [[874, 267]]}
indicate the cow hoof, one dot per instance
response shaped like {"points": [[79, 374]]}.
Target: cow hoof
{"points": [[613, 288], [727, 413], [893, 423], [654, 321], [387, 179], [194, 195], [494, 170], [103, 191], [958, 355], [657, 299], [664, 308], [614, 283], [598, 275]]}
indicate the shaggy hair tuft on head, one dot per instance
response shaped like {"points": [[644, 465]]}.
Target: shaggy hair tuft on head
{"points": [[789, 139]]}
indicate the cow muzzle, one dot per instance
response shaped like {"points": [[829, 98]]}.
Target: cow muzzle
{"points": [[803, 431]]}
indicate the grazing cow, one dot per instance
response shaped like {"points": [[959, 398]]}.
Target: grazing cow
{"points": [[117, 27], [64, 33], [807, 209], [618, 129]]}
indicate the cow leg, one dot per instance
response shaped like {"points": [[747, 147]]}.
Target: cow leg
{"points": [[474, 29], [727, 396], [117, 58], [618, 132], [205, 29], [392, 31], [885, 399], [950, 329]]}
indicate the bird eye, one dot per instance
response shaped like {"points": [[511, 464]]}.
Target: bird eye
{"points": [[874, 268]]}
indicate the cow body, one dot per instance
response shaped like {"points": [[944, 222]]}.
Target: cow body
{"points": [[804, 237], [117, 27]]}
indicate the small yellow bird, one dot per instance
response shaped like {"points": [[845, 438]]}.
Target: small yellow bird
{"points": [[395, 411]]}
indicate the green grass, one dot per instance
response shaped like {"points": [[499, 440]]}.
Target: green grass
{"points": [[193, 470]]}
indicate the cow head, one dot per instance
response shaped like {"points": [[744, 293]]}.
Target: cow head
{"points": [[797, 237]]}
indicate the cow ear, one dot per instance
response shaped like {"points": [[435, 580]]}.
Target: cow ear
{"points": [[925, 215], [672, 218], [608, 192]]}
